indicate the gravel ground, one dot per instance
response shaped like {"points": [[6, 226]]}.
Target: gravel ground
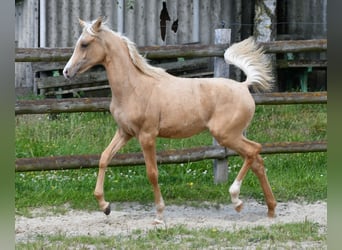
{"points": [[126, 217]]}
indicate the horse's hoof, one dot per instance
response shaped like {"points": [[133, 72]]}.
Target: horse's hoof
{"points": [[271, 214], [158, 222], [107, 210], [239, 207]]}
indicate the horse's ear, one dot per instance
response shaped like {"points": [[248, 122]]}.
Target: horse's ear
{"points": [[82, 23], [97, 24]]}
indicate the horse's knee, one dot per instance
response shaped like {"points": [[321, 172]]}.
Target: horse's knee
{"points": [[98, 194]]}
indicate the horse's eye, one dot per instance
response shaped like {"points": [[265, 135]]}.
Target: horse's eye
{"points": [[84, 45]]}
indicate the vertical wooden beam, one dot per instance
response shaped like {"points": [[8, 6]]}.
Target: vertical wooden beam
{"points": [[221, 69]]}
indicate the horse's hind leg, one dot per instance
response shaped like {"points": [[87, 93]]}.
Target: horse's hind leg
{"points": [[259, 170], [118, 141], [249, 150]]}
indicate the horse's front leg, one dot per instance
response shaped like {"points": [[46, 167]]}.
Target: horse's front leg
{"points": [[148, 145], [119, 140]]}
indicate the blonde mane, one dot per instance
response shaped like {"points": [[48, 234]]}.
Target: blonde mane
{"points": [[138, 61]]}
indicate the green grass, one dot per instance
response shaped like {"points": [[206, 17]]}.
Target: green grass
{"points": [[284, 236], [292, 176]]}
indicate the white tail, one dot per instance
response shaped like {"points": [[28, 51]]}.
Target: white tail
{"points": [[250, 58]]}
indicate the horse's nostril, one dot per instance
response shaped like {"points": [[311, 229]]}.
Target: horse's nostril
{"points": [[66, 73]]}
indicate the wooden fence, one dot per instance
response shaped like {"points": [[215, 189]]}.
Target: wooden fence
{"points": [[173, 51], [99, 104], [164, 157], [194, 63], [171, 156]]}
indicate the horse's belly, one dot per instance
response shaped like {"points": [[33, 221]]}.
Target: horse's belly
{"points": [[180, 129]]}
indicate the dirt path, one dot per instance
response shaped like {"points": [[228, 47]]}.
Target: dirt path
{"points": [[126, 217]]}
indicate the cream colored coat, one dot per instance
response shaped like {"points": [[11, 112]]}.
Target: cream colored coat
{"points": [[147, 102]]}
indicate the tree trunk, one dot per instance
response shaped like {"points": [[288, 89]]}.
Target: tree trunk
{"points": [[265, 27]]}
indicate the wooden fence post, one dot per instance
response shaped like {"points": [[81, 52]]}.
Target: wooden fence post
{"points": [[221, 69]]}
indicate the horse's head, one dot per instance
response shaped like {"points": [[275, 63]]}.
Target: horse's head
{"points": [[89, 49]]}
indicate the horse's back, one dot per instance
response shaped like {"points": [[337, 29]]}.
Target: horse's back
{"points": [[189, 106]]}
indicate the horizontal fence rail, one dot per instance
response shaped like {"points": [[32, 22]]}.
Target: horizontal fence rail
{"points": [[102, 104], [163, 157], [173, 51]]}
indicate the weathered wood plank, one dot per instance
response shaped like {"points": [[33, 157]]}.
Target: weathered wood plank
{"points": [[44, 66], [76, 90], [302, 63], [164, 157], [60, 81], [185, 66], [100, 75], [295, 46], [279, 98], [102, 103], [69, 105], [150, 52], [43, 54], [172, 51]]}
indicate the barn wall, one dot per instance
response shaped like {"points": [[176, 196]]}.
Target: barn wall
{"points": [[311, 21], [141, 19], [44, 23], [26, 30], [302, 19]]}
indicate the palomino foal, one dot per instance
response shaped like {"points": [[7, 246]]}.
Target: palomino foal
{"points": [[147, 103]]}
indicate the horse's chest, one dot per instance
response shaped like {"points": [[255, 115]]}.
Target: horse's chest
{"points": [[129, 120]]}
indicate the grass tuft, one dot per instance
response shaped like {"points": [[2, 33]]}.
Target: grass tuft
{"points": [[285, 236]]}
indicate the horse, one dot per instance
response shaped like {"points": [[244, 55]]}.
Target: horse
{"points": [[147, 102]]}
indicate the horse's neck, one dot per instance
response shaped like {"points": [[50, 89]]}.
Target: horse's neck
{"points": [[125, 80], [121, 74]]}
